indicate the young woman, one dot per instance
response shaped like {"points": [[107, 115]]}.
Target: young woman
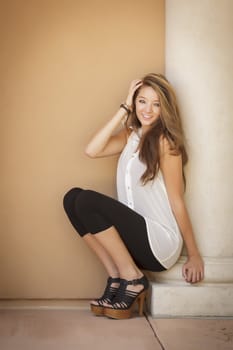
{"points": [[144, 228]]}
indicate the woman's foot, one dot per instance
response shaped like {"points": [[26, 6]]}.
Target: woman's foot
{"points": [[129, 292], [97, 305]]}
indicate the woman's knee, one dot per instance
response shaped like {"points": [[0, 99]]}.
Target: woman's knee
{"points": [[85, 201], [70, 198]]}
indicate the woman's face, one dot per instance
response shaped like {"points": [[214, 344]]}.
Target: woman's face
{"points": [[147, 107]]}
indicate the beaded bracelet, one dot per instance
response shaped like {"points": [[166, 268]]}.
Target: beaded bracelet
{"points": [[126, 108]]}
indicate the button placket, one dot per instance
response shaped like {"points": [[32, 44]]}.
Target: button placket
{"points": [[128, 186]]}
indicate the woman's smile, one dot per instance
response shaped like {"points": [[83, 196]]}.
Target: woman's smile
{"points": [[146, 116]]}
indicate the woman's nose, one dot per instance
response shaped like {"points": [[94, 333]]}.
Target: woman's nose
{"points": [[148, 107]]}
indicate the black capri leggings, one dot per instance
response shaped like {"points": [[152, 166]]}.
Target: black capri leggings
{"points": [[93, 212]]}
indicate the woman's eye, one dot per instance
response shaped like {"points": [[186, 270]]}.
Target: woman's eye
{"points": [[156, 104], [141, 101]]}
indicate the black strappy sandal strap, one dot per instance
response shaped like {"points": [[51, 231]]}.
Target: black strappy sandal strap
{"points": [[124, 298], [109, 292]]}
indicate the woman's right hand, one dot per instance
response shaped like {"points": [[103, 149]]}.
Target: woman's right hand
{"points": [[135, 84]]}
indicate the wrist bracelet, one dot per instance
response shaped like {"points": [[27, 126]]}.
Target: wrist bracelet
{"points": [[126, 108]]}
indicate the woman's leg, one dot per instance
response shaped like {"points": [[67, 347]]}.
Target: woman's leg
{"points": [[105, 218], [127, 268], [102, 254], [107, 244], [110, 267], [97, 248], [113, 244], [115, 225], [91, 241], [89, 208]]}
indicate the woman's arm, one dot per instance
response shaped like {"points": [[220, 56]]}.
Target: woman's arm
{"points": [[171, 167], [104, 143]]}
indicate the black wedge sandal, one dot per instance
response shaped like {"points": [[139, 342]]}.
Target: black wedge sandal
{"points": [[109, 294], [122, 305]]}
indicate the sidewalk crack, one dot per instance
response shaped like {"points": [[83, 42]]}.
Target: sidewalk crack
{"points": [[155, 334]]}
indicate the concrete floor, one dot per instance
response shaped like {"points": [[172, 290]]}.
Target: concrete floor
{"points": [[68, 328]]}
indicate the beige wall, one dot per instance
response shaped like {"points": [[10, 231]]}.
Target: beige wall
{"points": [[65, 69]]}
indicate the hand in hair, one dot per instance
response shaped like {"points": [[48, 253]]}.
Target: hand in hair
{"points": [[135, 84]]}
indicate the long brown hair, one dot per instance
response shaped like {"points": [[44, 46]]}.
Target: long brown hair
{"points": [[168, 125]]}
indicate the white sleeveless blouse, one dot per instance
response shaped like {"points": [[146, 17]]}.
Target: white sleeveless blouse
{"points": [[150, 201]]}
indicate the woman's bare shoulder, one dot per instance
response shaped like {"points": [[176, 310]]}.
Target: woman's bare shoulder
{"points": [[164, 145]]}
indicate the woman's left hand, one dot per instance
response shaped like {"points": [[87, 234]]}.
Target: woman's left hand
{"points": [[193, 269]]}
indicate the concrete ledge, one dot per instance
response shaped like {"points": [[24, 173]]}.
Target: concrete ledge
{"points": [[171, 296], [188, 300]]}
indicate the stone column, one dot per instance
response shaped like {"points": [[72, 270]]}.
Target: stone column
{"points": [[199, 64]]}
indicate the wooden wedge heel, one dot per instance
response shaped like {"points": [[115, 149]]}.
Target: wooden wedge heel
{"points": [[123, 303]]}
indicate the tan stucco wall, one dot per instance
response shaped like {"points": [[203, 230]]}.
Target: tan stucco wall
{"points": [[65, 69]]}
